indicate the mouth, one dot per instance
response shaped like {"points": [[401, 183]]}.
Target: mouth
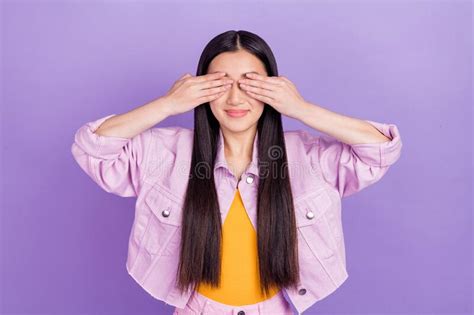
{"points": [[237, 113]]}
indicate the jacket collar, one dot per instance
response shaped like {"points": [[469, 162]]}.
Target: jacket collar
{"points": [[222, 162]]}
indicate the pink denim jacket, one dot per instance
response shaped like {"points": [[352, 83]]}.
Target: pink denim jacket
{"points": [[154, 167]]}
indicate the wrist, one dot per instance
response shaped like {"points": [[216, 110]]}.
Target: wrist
{"points": [[163, 106], [303, 110]]}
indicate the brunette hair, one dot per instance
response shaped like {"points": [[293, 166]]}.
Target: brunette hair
{"points": [[201, 233]]}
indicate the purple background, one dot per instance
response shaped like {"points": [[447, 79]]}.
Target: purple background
{"points": [[408, 238]]}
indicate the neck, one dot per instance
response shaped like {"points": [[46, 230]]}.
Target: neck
{"points": [[239, 144]]}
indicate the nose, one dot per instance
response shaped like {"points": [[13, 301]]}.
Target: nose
{"points": [[235, 93]]}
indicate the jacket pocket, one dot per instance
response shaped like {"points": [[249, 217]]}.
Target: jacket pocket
{"points": [[314, 234], [163, 234]]}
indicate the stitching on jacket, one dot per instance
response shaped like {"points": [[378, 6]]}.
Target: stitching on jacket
{"points": [[318, 155], [162, 189], [318, 191], [320, 260], [146, 157], [333, 241]]}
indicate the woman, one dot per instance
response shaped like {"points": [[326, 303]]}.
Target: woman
{"points": [[203, 193]]}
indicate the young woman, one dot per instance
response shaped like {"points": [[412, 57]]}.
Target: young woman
{"points": [[236, 216]]}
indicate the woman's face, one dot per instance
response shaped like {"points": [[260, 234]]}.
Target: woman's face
{"points": [[236, 65]]}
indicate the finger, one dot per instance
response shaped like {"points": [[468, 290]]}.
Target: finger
{"points": [[263, 98], [214, 83], [257, 90], [211, 97], [209, 76], [259, 77], [257, 83], [216, 90]]}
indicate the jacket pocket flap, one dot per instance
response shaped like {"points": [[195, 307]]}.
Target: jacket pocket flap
{"points": [[165, 206], [310, 207]]}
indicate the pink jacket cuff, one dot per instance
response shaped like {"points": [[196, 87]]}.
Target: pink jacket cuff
{"points": [[384, 153], [99, 146]]}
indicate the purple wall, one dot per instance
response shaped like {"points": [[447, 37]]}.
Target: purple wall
{"points": [[408, 238]]}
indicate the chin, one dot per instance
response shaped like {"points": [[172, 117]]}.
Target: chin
{"points": [[236, 127]]}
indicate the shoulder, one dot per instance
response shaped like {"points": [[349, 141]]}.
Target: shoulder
{"points": [[302, 158], [301, 139], [301, 146], [169, 154], [170, 131], [171, 137], [300, 135]]}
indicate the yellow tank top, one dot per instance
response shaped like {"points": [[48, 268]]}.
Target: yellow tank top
{"points": [[240, 279]]}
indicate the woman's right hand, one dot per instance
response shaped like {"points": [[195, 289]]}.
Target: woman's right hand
{"points": [[189, 92]]}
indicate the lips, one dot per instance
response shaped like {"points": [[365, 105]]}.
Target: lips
{"points": [[237, 113]]}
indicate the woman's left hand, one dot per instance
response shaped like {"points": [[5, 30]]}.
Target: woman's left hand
{"points": [[278, 92]]}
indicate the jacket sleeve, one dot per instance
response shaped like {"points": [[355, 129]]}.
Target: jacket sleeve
{"points": [[350, 168], [116, 164]]}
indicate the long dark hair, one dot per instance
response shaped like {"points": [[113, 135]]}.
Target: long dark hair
{"points": [[201, 234]]}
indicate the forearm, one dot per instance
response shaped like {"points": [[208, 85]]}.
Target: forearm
{"points": [[344, 128], [135, 121]]}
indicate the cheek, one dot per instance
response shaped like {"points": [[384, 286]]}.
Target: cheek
{"points": [[258, 108], [216, 110], [214, 107]]}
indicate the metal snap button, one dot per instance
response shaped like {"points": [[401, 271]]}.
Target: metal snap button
{"points": [[165, 213], [310, 214], [249, 179], [302, 291], [241, 313]]}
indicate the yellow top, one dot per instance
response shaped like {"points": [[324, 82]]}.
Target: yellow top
{"points": [[240, 279]]}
